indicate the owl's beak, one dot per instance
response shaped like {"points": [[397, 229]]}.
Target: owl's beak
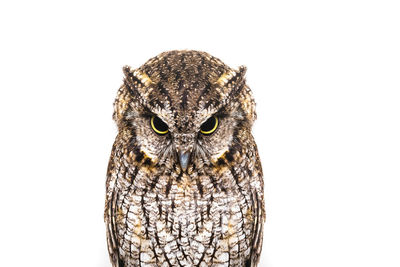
{"points": [[184, 159]]}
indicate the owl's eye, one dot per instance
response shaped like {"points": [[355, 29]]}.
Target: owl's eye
{"points": [[209, 126], [158, 125]]}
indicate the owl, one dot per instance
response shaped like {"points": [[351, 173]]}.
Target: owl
{"points": [[184, 181]]}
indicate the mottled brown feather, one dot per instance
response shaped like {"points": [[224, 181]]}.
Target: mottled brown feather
{"points": [[158, 214]]}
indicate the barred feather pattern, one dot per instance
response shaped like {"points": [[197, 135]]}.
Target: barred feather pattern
{"points": [[157, 213]]}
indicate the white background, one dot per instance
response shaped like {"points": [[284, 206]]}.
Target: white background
{"points": [[326, 78]]}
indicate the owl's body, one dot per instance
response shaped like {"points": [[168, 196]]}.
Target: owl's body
{"points": [[186, 197]]}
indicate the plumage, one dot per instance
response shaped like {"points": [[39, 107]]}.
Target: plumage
{"points": [[188, 193]]}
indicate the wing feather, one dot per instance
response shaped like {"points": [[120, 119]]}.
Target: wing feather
{"points": [[110, 212], [111, 230]]}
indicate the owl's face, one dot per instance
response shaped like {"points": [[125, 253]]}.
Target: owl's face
{"points": [[162, 139], [183, 117]]}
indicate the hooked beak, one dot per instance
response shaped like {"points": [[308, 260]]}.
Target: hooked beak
{"points": [[184, 159]]}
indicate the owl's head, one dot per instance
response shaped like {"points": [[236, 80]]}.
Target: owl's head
{"points": [[183, 109]]}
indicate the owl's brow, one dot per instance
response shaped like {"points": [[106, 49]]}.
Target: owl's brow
{"points": [[137, 82], [229, 85]]}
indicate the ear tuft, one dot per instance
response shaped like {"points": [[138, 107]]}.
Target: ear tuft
{"points": [[135, 75], [128, 71], [231, 77], [242, 70]]}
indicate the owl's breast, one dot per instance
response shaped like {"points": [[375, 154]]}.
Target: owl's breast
{"points": [[184, 220]]}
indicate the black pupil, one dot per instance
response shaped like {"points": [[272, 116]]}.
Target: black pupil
{"points": [[160, 125], [208, 125]]}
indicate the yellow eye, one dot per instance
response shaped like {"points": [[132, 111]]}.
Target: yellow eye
{"points": [[158, 125], [209, 126]]}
